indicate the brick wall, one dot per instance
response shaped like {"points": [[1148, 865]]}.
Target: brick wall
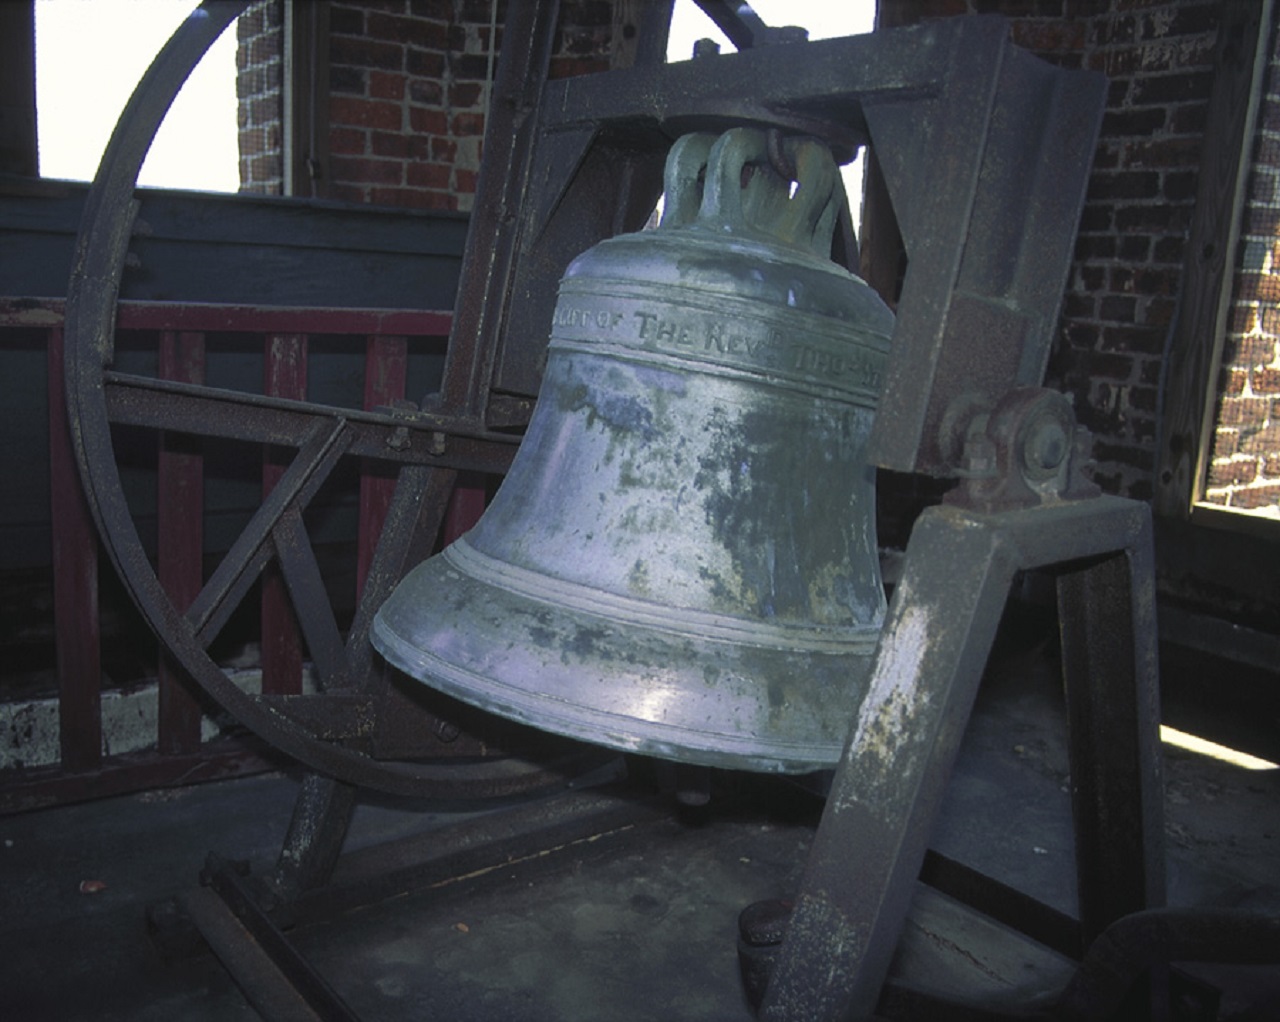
{"points": [[408, 86], [1244, 471], [259, 70], [1122, 289]]}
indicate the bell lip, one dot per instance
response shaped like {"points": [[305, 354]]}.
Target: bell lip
{"points": [[596, 727], [538, 701]]}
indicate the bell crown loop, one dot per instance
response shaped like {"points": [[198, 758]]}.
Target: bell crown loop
{"points": [[730, 183]]}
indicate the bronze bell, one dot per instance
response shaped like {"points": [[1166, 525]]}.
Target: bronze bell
{"points": [[682, 560]]}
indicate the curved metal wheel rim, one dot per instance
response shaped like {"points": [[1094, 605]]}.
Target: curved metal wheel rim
{"points": [[89, 327]]}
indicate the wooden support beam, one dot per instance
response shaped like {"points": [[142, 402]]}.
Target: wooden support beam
{"points": [[75, 587], [386, 370], [18, 147], [285, 375], [180, 539]]}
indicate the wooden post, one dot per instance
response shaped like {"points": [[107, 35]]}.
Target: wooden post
{"points": [[285, 375], [179, 539], [386, 369], [75, 588]]}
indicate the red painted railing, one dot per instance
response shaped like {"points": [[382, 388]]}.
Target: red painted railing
{"points": [[179, 756]]}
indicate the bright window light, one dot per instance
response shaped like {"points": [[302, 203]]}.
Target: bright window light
{"points": [[89, 57], [1204, 747]]}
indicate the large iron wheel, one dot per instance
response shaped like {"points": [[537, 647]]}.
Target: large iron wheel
{"points": [[428, 451]]}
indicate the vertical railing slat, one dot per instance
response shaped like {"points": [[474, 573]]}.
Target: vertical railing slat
{"points": [[386, 370], [285, 375], [180, 538], [466, 505], [75, 587]]}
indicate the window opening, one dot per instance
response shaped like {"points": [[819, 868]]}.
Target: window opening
{"points": [[1243, 471], [89, 57]]}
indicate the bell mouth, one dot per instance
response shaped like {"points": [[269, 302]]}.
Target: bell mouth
{"points": [[735, 696]]}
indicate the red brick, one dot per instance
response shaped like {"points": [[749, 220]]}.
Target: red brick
{"points": [[1180, 186], [1159, 312], [350, 80], [426, 33], [1078, 306], [1130, 184], [348, 141], [1134, 248], [1187, 118], [1231, 381], [264, 110], [391, 144], [1097, 217], [426, 92], [1261, 442], [1107, 366], [1154, 219], [1173, 88], [424, 63], [365, 52], [466, 94], [1233, 473], [1243, 318], [1090, 278], [412, 198], [365, 113], [1226, 442], [386, 85], [1117, 309], [1256, 497], [1249, 350], [1263, 221], [1188, 19], [1271, 465], [1243, 411], [1265, 381], [465, 181], [345, 192], [427, 175], [467, 124], [443, 150], [364, 170], [1049, 35], [428, 122], [1168, 249], [1095, 246], [1257, 287]]}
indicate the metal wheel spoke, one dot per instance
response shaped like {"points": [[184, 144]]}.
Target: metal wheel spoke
{"points": [[262, 419], [252, 550], [310, 601], [209, 411]]}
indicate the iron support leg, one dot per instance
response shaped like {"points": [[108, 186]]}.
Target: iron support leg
{"points": [[317, 829], [1106, 612], [873, 836]]}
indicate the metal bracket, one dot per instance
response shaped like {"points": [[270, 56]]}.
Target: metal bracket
{"points": [[887, 789]]}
